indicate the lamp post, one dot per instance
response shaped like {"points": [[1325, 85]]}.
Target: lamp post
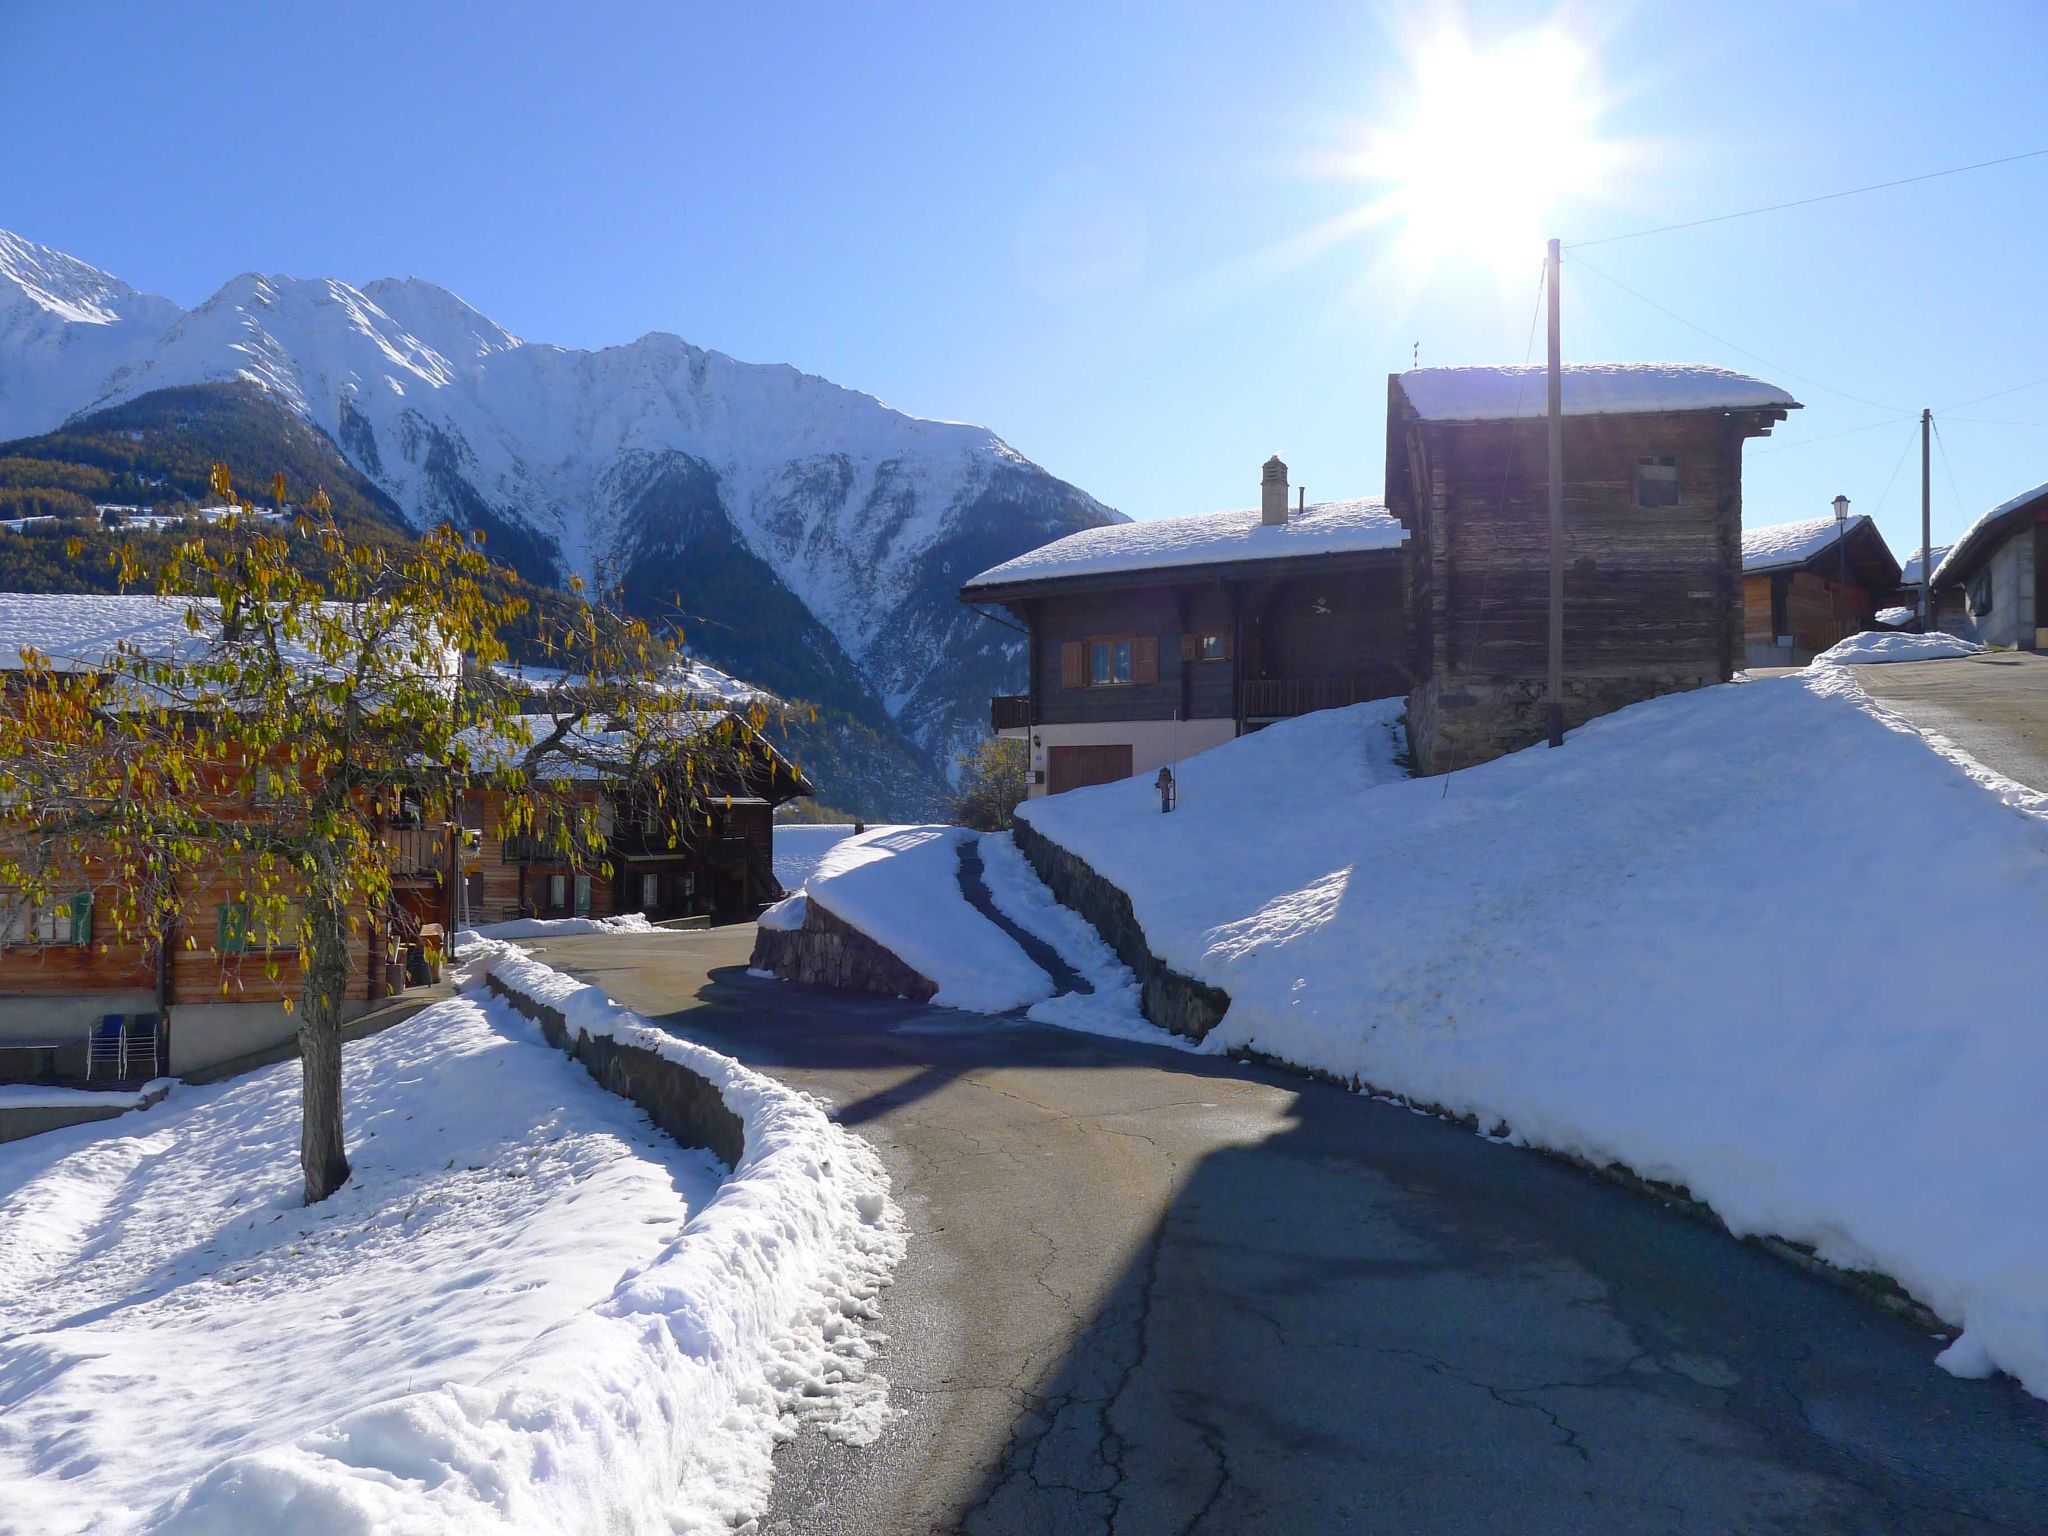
{"points": [[1842, 552]]}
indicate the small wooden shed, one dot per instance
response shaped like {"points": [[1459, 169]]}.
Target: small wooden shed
{"points": [[1809, 583]]}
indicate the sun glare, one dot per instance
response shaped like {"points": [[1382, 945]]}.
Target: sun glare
{"points": [[1490, 142]]}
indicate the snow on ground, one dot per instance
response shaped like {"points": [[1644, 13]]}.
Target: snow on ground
{"points": [[1113, 1007], [167, 1303], [800, 845], [901, 887], [51, 1096], [529, 1310], [557, 927], [1673, 944], [1878, 645]]}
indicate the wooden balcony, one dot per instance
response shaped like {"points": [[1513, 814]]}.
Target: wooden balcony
{"points": [[1282, 698], [1009, 712], [418, 852]]}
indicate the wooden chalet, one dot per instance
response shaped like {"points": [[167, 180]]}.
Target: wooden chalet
{"points": [[1992, 586], [1653, 539], [1810, 583], [1150, 641]]}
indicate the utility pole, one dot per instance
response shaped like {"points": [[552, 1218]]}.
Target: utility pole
{"points": [[1926, 530], [1556, 516]]}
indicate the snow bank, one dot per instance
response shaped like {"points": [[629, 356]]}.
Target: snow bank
{"points": [[799, 846], [657, 1406], [557, 927], [50, 1096], [1673, 944], [786, 915], [901, 887], [1112, 1008], [1878, 645]]}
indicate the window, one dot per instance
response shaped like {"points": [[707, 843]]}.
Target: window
{"points": [[1656, 482], [650, 892], [16, 919], [558, 892], [237, 929], [1979, 593], [63, 920], [1109, 663], [1205, 645], [582, 894]]}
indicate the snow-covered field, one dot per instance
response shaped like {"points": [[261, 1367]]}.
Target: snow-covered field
{"points": [[1683, 943], [529, 1310]]}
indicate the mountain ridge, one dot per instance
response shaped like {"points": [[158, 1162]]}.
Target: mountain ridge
{"points": [[653, 465]]}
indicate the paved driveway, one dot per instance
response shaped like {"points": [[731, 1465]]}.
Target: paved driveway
{"points": [[1995, 706], [1149, 1292]]}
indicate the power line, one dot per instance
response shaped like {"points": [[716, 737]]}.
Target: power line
{"points": [[1732, 346], [1897, 465], [1953, 489], [1996, 394], [1807, 442], [1803, 202]]}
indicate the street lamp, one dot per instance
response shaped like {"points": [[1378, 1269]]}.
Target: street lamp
{"points": [[1842, 552]]}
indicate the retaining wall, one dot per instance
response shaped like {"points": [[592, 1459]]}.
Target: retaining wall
{"points": [[830, 952], [683, 1104], [1169, 998]]}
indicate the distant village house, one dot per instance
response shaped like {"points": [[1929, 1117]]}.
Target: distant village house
{"points": [[1992, 586], [1810, 583]]}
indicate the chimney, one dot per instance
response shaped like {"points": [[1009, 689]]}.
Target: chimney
{"points": [[1273, 493]]}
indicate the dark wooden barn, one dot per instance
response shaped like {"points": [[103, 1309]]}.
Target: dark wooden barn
{"points": [[1653, 540]]}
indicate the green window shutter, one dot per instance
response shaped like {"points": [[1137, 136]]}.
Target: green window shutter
{"points": [[81, 918], [233, 928]]}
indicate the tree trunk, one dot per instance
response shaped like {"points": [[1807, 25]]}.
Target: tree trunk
{"points": [[321, 1154]]}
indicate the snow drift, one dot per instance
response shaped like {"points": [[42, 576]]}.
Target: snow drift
{"points": [[1684, 944]]}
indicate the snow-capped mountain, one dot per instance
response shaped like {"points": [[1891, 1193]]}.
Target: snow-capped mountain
{"points": [[765, 505]]}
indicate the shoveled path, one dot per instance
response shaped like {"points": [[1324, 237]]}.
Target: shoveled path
{"points": [[1150, 1292], [1995, 706]]}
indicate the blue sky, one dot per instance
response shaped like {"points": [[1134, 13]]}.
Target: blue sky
{"points": [[1094, 227]]}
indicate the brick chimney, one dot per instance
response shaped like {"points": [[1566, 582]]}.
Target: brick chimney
{"points": [[1273, 493]]}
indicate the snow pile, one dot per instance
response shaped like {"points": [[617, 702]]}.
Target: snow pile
{"points": [[1612, 949], [786, 915], [901, 887], [1326, 528], [556, 927], [800, 846], [1877, 645], [51, 1096], [1777, 546], [647, 1396], [167, 1304], [1895, 617], [1112, 1007], [1589, 389]]}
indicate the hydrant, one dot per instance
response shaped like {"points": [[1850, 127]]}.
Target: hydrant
{"points": [[1169, 792]]}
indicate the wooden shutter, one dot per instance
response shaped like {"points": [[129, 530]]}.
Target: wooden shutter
{"points": [[1229, 645], [232, 928], [1190, 646], [1073, 664], [81, 918], [1145, 659]]}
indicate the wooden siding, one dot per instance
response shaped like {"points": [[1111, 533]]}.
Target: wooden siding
{"points": [[1653, 597], [1759, 627]]}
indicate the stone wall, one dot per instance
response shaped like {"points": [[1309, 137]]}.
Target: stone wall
{"points": [[683, 1104], [1476, 719], [1170, 1000], [829, 952]]}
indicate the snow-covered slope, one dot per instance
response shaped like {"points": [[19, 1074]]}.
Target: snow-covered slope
{"points": [[697, 480]]}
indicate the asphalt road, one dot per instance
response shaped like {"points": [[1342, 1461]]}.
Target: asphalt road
{"points": [[1149, 1292], [1995, 706]]}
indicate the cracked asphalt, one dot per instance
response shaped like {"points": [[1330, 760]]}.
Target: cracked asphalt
{"points": [[1149, 1292]]}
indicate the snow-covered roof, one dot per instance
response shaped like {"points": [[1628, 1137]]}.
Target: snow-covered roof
{"points": [[591, 751], [79, 632], [1909, 574], [1589, 389], [1778, 545], [692, 678], [1208, 538], [1981, 536]]}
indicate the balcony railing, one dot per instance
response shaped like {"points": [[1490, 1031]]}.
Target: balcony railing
{"points": [[1282, 698], [417, 852], [1009, 712]]}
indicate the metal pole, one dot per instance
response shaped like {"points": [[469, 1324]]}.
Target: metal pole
{"points": [[1926, 531], [1556, 516]]}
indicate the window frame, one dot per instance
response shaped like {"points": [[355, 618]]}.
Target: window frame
{"points": [[1659, 463], [1110, 645], [558, 893]]}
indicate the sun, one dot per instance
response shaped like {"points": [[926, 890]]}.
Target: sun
{"points": [[1484, 146]]}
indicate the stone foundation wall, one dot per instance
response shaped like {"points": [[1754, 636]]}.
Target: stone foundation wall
{"points": [[829, 952], [1476, 719], [1171, 1000], [683, 1104]]}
